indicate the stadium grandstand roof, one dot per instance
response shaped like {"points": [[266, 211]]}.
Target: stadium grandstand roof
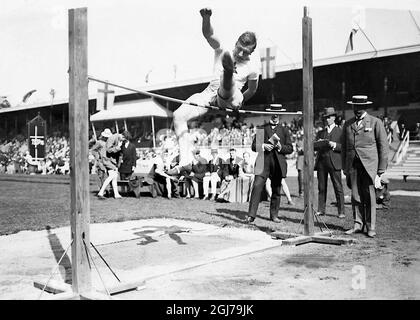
{"points": [[279, 68], [132, 110], [392, 30]]}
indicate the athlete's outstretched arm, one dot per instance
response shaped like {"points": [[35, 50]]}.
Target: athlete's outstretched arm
{"points": [[207, 29], [252, 88]]}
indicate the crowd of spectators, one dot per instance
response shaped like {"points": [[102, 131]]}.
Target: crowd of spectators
{"points": [[15, 156]]}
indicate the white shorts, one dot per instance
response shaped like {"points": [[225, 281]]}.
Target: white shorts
{"points": [[188, 112], [233, 102]]}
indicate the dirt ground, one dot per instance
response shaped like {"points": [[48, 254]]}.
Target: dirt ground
{"points": [[190, 249]]}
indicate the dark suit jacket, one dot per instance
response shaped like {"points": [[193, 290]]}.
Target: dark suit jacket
{"points": [[129, 158], [369, 142], [334, 155], [262, 163], [231, 169], [216, 167], [199, 169]]}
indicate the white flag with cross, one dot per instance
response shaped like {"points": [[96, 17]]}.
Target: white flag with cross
{"points": [[105, 98], [268, 62]]}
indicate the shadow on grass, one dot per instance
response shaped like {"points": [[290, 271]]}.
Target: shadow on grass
{"points": [[58, 251], [241, 215]]}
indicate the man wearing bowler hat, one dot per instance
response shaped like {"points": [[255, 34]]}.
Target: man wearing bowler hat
{"points": [[328, 161], [365, 158], [272, 142]]}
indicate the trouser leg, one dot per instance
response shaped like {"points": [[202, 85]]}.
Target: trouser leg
{"points": [[286, 190], [368, 199], [338, 189], [322, 176], [195, 186], [300, 182], [206, 181], [275, 197], [213, 181], [356, 195], [257, 188]]}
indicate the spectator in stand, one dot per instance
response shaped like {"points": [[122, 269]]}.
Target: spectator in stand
{"points": [[128, 157], [213, 175], [230, 173], [246, 171], [113, 146], [162, 180], [247, 166], [198, 171], [106, 164], [389, 131], [299, 162], [403, 131], [416, 132]]}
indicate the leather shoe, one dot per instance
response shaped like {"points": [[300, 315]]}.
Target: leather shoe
{"points": [[353, 230], [275, 219], [249, 219], [371, 234]]}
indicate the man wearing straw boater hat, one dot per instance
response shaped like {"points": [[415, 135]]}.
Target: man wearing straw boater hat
{"points": [[272, 142], [328, 162], [233, 70], [365, 158]]}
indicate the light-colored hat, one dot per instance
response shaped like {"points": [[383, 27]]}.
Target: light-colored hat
{"points": [[275, 108], [106, 133], [359, 100]]}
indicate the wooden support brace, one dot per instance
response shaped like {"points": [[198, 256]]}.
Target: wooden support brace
{"points": [[287, 235], [329, 240], [53, 286], [59, 287], [296, 241], [283, 235]]}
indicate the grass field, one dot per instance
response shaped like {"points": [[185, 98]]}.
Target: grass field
{"points": [[35, 202]]}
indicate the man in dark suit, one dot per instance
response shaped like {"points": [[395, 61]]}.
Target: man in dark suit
{"points": [[128, 157], [272, 142], [328, 162], [365, 158]]}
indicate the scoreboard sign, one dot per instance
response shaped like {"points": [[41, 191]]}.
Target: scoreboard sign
{"points": [[37, 129]]}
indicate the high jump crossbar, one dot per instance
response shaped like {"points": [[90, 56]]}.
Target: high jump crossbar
{"points": [[158, 96]]}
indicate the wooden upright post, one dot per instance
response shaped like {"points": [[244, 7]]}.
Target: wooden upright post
{"points": [[308, 117], [79, 170]]}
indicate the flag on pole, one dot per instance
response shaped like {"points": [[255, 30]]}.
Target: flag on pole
{"points": [[268, 62], [349, 46], [105, 98], [357, 22], [27, 96]]}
